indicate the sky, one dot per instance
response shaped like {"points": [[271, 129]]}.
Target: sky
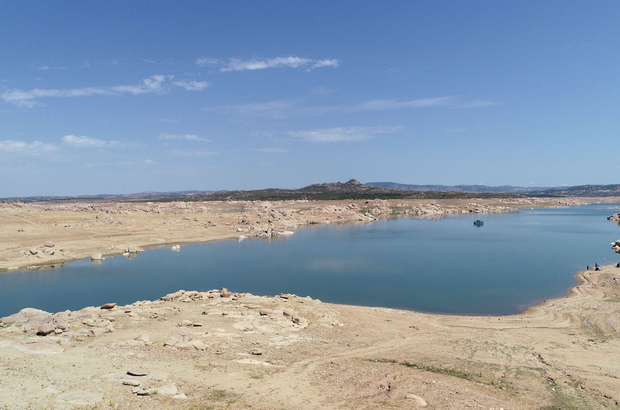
{"points": [[123, 96]]}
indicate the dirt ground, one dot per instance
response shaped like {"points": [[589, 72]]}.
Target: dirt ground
{"points": [[220, 349]]}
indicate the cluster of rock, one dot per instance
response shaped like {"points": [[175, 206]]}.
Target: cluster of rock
{"points": [[83, 323], [616, 246], [48, 248], [614, 217]]}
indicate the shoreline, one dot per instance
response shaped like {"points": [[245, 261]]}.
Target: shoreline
{"points": [[342, 212], [191, 344], [228, 350]]}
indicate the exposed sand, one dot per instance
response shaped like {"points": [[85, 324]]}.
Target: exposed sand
{"points": [[289, 352]]}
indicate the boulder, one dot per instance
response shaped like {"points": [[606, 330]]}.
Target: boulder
{"points": [[616, 246], [180, 336], [614, 217], [108, 306], [46, 329], [168, 390], [199, 344], [417, 399], [96, 257], [225, 293]]}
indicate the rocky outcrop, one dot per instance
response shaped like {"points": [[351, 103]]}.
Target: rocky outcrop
{"points": [[614, 217], [616, 246]]}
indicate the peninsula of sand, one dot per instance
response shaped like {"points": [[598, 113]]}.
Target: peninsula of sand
{"points": [[223, 349]]}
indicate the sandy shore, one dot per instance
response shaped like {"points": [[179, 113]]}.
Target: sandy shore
{"points": [[228, 350], [50, 234]]}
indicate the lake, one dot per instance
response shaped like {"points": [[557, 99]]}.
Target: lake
{"points": [[444, 265]]}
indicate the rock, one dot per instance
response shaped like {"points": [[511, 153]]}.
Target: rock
{"points": [[143, 338], [418, 400], [172, 296], [133, 383], [14, 319], [96, 257], [88, 322], [168, 390], [39, 320], [300, 321], [33, 251], [224, 293], [243, 326], [95, 332], [61, 323], [614, 217], [180, 396], [108, 306], [256, 352], [178, 336], [176, 248], [199, 345], [80, 397], [137, 372], [58, 331], [49, 244], [144, 392], [265, 312], [46, 329], [158, 376], [187, 323]]}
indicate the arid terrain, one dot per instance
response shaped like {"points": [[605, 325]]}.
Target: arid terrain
{"points": [[221, 349]]}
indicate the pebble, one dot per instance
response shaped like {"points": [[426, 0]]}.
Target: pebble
{"points": [[134, 383]]}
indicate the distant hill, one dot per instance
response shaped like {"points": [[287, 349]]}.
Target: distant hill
{"points": [[109, 197], [505, 189], [581, 190], [351, 189]]}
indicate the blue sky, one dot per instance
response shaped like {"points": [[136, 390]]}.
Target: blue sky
{"points": [[121, 97]]}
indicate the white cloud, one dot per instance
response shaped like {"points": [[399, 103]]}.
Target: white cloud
{"points": [[479, 104], [380, 105], [192, 85], [83, 141], [208, 61], [326, 63], [158, 84], [255, 64], [273, 109], [45, 68], [273, 150], [188, 137], [32, 148], [194, 153], [341, 134]]}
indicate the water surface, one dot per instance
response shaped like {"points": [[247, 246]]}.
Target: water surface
{"points": [[443, 265]]}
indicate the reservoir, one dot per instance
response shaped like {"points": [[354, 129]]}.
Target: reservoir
{"points": [[445, 265]]}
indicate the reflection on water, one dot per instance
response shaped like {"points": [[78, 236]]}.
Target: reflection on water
{"points": [[444, 265]]}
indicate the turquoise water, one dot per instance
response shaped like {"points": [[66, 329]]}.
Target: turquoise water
{"points": [[444, 265]]}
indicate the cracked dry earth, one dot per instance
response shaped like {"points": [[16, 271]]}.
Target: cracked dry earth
{"points": [[218, 349]]}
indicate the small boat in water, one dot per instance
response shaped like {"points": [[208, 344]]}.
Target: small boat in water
{"points": [[478, 222]]}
